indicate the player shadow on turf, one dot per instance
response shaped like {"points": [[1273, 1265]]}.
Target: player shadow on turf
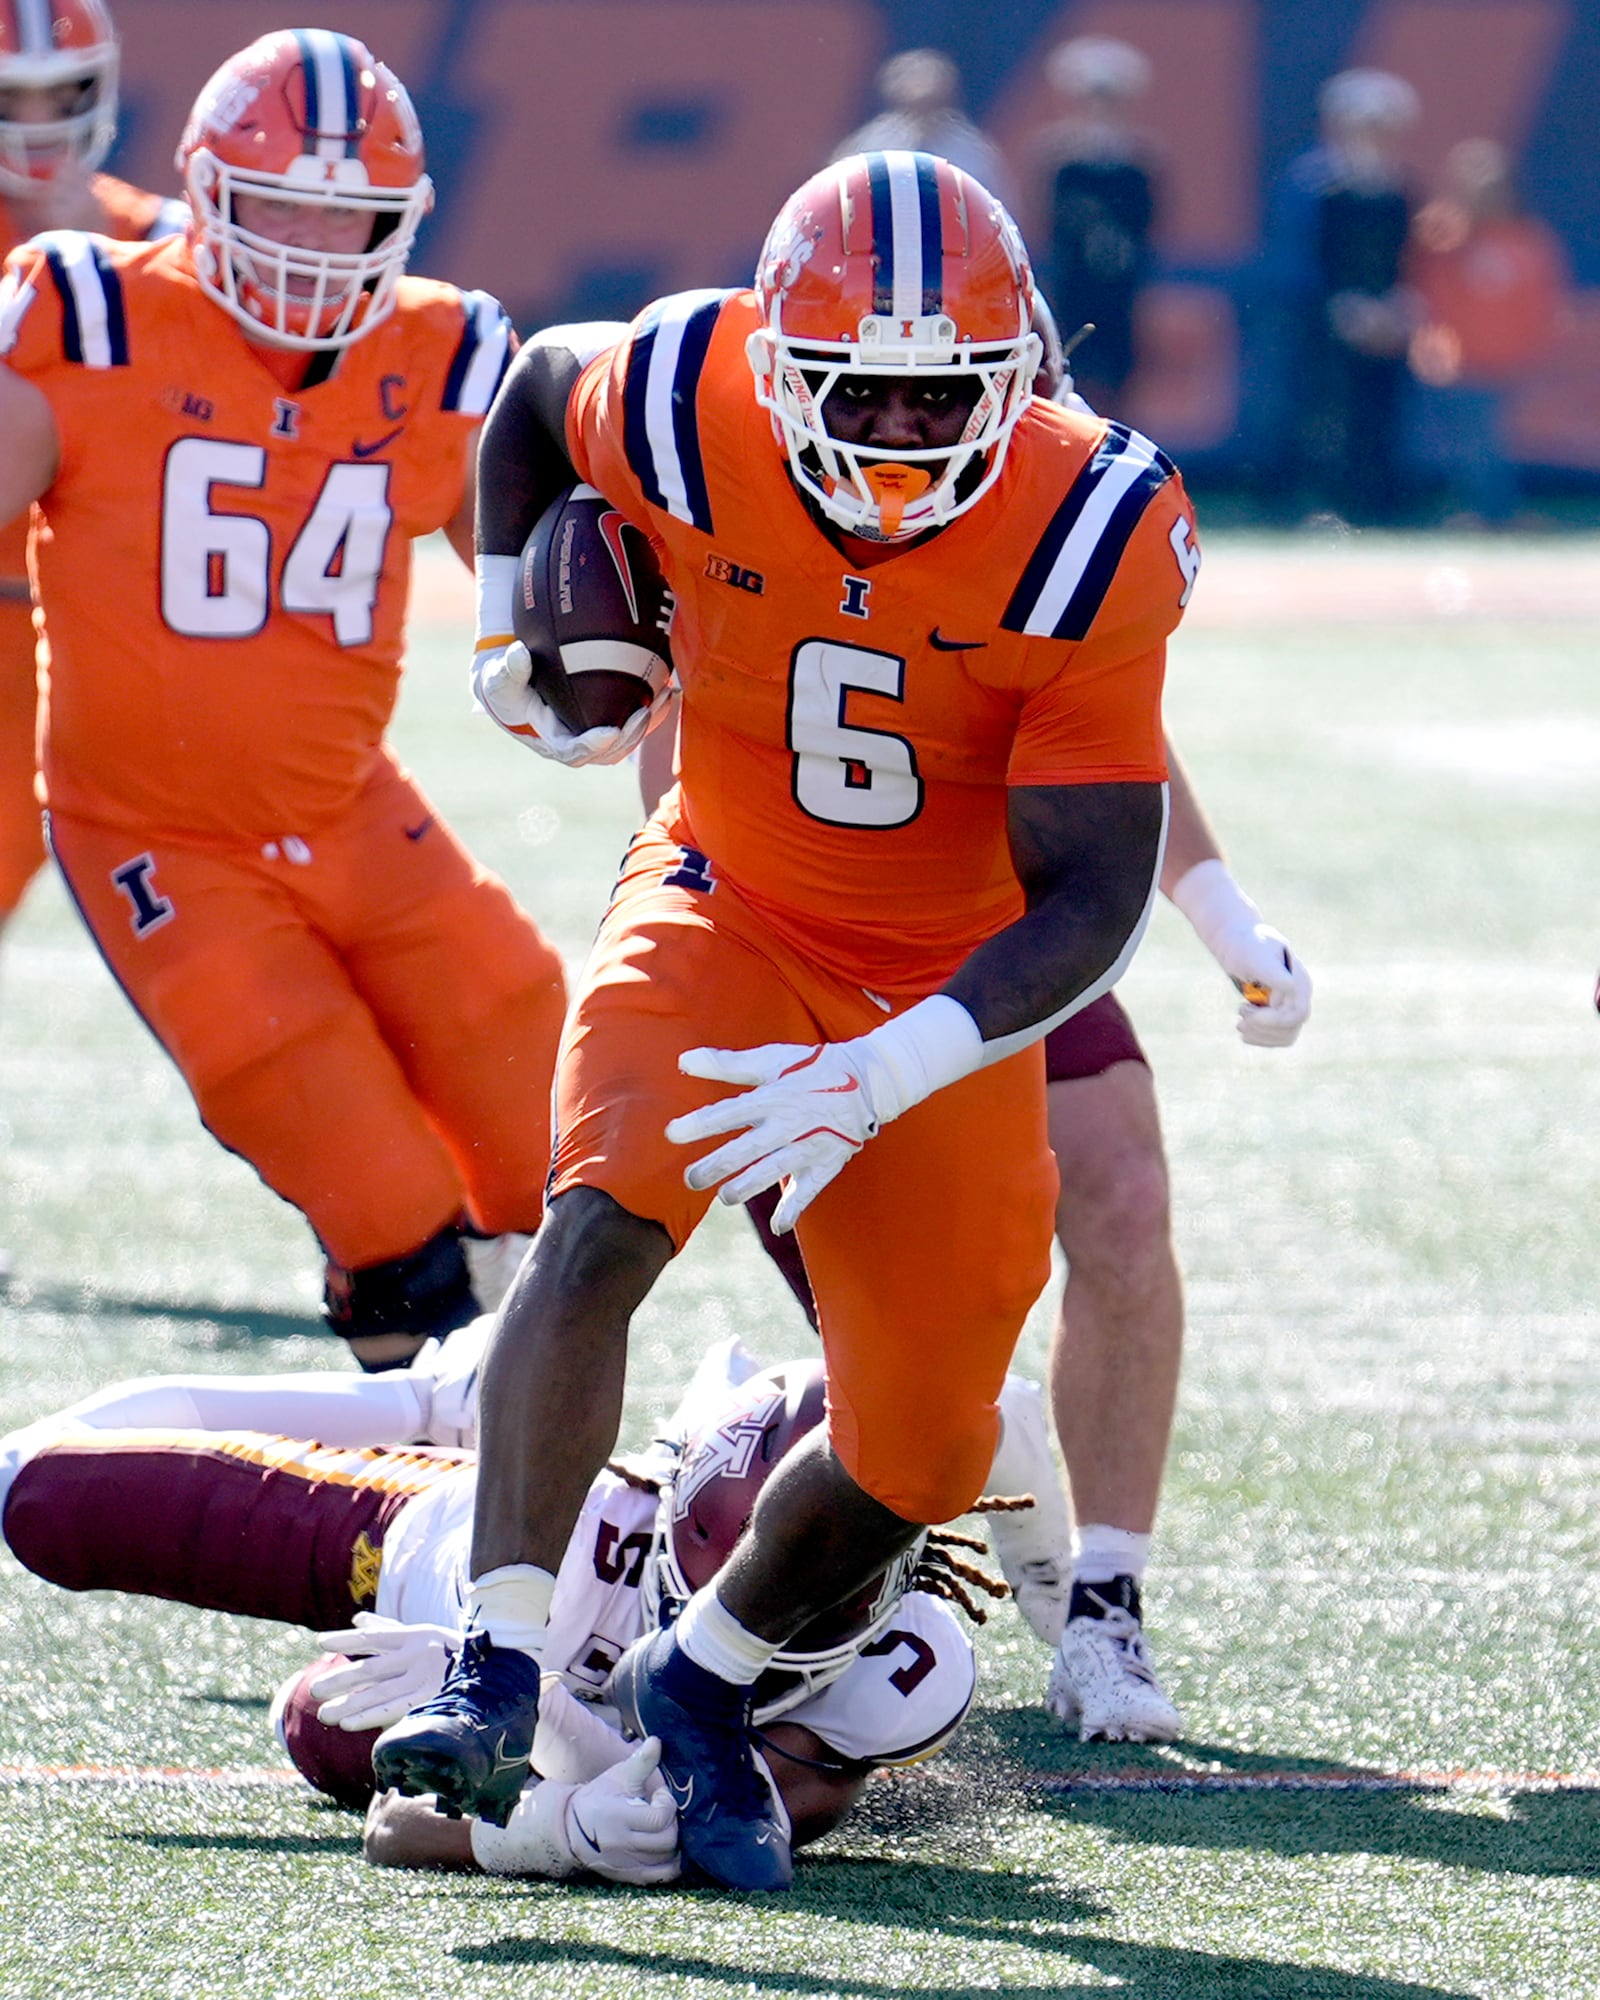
{"points": [[237, 1326], [1528, 1832], [241, 1843], [1533, 1833], [964, 1907]]}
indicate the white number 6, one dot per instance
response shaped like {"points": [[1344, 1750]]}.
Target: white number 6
{"points": [[842, 774]]}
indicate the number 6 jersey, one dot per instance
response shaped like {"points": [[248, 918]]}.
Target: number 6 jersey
{"points": [[853, 714], [224, 562]]}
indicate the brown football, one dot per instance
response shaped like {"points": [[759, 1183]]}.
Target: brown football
{"points": [[592, 607]]}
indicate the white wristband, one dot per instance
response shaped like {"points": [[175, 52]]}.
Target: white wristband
{"points": [[931, 1044], [533, 1841], [496, 578], [1213, 902]]}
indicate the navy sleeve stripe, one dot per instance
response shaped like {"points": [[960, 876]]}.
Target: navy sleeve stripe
{"points": [[94, 328], [482, 356], [1072, 567], [660, 423]]}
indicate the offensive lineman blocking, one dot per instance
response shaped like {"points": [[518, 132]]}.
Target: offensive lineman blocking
{"points": [[921, 640]]}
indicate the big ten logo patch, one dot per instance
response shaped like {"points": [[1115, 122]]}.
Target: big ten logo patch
{"points": [[720, 570]]}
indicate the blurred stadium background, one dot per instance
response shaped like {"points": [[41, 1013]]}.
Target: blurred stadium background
{"points": [[590, 154]]}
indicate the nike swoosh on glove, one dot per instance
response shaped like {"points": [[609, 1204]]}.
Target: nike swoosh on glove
{"points": [[502, 686], [389, 1669], [804, 1113], [623, 1824]]}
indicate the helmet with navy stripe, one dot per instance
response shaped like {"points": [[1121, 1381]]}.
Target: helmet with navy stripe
{"points": [[888, 265], [311, 122], [58, 90], [707, 1503]]}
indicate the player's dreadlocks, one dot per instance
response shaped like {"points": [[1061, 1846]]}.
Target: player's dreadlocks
{"points": [[942, 1573]]}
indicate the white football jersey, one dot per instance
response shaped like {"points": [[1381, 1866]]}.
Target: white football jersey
{"points": [[898, 1701]]}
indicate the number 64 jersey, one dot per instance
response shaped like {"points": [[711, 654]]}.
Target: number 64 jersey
{"points": [[854, 713], [224, 562]]}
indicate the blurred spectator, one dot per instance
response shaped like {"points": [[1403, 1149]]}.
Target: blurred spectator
{"points": [[1494, 289], [1335, 253], [920, 90], [1099, 202]]}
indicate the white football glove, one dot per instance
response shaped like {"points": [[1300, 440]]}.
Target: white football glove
{"points": [[622, 1825], [808, 1111], [805, 1113], [1257, 958], [391, 1668], [502, 686]]}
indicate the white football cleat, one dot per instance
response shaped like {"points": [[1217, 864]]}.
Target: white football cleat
{"points": [[1104, 1679], [1033, 1546], [492, 1262], [445, 1374]]}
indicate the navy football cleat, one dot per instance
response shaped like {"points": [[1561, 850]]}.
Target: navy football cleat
{"points": [[471, 1744], [729, 1826]]}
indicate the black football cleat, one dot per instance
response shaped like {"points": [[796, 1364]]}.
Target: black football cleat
{"points": [[470, 1746], [729, 1826]]}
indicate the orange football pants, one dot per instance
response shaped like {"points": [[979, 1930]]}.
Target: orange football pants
{"points": [[21, 837], [363, 1014], [925, 1253]]}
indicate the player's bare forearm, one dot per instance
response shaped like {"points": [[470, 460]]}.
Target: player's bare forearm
{"points": [[1087, 857], [408, 1833], [1190, 837], [32, 447], [522, 455]]}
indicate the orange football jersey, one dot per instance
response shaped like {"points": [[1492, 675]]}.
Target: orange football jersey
{"points": [[223, 563], [851, 721], [132, 215]]}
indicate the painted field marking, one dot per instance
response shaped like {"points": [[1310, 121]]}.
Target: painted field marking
{"points": [[242, 1778], [1313, 1781], [238, 1779]]}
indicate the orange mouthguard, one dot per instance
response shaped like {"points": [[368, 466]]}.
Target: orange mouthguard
{"points": [[893, 487]]}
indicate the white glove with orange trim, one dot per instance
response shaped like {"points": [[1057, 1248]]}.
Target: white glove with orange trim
{"points": [[1257, 958], [806, 1112], [502, 684]]}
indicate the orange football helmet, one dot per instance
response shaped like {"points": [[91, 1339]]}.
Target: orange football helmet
{"points": [[51, 46], [308, 118], [881, 264]]}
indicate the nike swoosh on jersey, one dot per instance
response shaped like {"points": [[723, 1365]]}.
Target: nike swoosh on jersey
{"points": [[416, 832], [682, 1794], [371, 450], [942, 645]]}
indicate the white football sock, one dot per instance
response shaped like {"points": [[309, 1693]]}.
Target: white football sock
{"points": [[714, 1639], [512, 1605], [1104, 1552]]}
